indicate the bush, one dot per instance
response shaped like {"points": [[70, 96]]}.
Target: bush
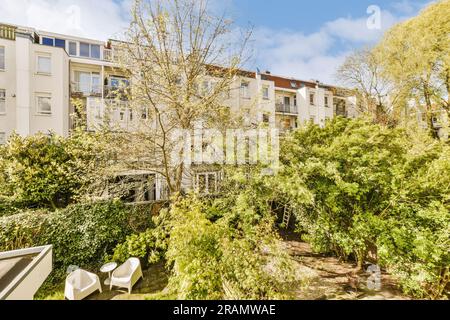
{"points": [[379, 194], [47, 171], [233, 257], [81, 235], [224, 247]]}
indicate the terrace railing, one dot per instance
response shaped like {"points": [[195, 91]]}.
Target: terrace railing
{"points": [[286, 108], [7, 32]]}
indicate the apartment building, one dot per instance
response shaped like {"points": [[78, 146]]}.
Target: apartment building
{"points": [[41, 73]]}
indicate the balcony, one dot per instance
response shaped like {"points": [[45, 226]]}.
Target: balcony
{"points": [[114, 114], [7, 32], [85, 89], [287, 109], [341, 113], [114, 92], [110, 55]]}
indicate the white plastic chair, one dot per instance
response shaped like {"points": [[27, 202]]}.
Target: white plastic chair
{"points": [[126, 275], [80, 284]]}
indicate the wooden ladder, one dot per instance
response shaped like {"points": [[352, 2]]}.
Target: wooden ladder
{"points": [[286, 217]]}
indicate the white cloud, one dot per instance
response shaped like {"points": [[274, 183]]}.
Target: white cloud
{"points": [[284, 52], [99, 19], [315, 56], [356, 30]]}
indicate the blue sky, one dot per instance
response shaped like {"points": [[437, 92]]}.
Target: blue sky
{"points": [[296, 38]]}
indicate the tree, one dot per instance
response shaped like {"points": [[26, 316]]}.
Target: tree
{"points": [[415, 55], [380, 195], [182, 61], [362, 71], [49, 171]]}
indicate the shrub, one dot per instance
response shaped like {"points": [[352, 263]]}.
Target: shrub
{"points": [[234, 257], [379, 194], [80, 234], [47, 171]]}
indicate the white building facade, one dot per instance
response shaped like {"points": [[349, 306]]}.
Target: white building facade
{"points": [[41, 73]]}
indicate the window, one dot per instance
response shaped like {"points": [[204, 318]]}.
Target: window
{"points": [[44, 104], [206, 87], [88, 82], [60, 43], [95, 51], [48, 41], [2, 101], [72, 48], [144, 113], [266, 93], [244, 90], [44, 65], [96, 83], [311, 99], [326, 102], [118, 82], [84, 49], [266, 118], [89, 50], [313, 119], [206, 182], [2, 138], [2, 58]]}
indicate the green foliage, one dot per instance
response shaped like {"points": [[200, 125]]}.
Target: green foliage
{"points": [[379, 195], [223, 247], [46, 171], [420, 69], [150, 246], [80, 234], [227, 247]]}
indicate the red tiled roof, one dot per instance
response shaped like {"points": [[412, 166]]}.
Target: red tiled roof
{"points": [[288, 83]]}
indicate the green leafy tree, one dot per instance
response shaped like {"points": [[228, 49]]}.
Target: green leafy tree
{"points": [[380, 195], [415, 55], [48, 170]]}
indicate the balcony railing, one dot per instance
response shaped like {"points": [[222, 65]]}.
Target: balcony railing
{"points": [[113, 92], [110, 55], [117, 115], [286, 108], [86, 89], [7, 32], [341, 113]]}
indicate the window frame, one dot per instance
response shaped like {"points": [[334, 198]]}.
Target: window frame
{"points": [[207, 175], [89, 50], [3, 55], [326, 101], [61, 40], [43, 38], [246, 94], [99, 51], [76, 48], [265, 90], [42, 95], [90, 55], [312, 99], [3, 101], [44, 56]]}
